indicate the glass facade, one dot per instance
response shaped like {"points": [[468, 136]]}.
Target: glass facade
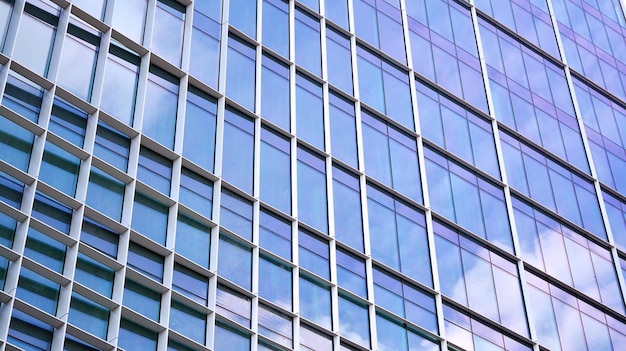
{"points": [[316, 175]]}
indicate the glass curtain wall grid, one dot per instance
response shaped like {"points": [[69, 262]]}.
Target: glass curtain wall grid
{"points": [[312, 175]]}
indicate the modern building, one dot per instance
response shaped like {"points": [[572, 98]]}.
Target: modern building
{"points": [[312, 175]]}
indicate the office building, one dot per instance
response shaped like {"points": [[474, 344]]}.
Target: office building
{"points": [[312, 175]]}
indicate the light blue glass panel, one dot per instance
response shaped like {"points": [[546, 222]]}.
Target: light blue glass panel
{"points": [[312, 203], [313, 254], [34, 41], [59, 168], [243, 16], [205, 45], [94, 275], [354, 322], [337, 11], [78, 61], [275, 234], [112, 146], [236, 214], [227, 339], [167, 34], [193, 240], [309, 112], [240, 76], [275, 105], [200, 120], [45, 250], [129, 17], [142, 300], [238, 150], [38, 291], [308, 50], [347, 202], [188, 322], [235, 262], [159, 115], [134, 337], [92, 7], [343, 130], [391, 336], [68, 122], [276, 283], [317, 302], [88, 316], [23, 96], [154, 170], [275, 171], [120, 84], [105, 194], [16, 143], [196, 192], [340, 61], [149, 218], [276, 26]]}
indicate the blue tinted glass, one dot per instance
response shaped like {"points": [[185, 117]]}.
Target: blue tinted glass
{"points": [[309, 112], [354, 322], [193, 240], [142, 300], [94, 275], [308, 51], [340, 61], [276, 283], [275, 234], [227, 339], [133, 336], [159, 120], [313, 254], [59, 168], [196, 192], [235, 262], [105, 194], [112, 146], [343, 130], [68, 122], [348, 218], [16, 143], [200, 119], [78, 59], [317, 307], [238, 150], [154, 170], [150, 218], [275, 171], [205, 45], [90, 316], [276, 26], [240, 72], [243, 16], [236, 214], [120, 84], [312, 191], [167, 34], [45, 250], [337, 11], [275, 106]]}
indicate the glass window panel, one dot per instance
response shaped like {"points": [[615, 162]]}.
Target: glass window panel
{"points": [[243, 15], [105, 193], [317, 307], [16, 143], [307, 42], [78, 60], [275, 105], [343, 130], [23, 96], [228, 338], [52, 213], [354, 322], [188, 322], [276, 283], [38, 291], [145, 261], [191, 284], [28, 332], [235, 262], [276, 26], [234, 305], [351, 273], [120, 82], [142, 300], [340, 59], [312, 203], [240, 76], [35, 36], [94, 275], [236, 214], [68, 122], [45, 250], [193, 240], [129, 17], [7, 230], [133, 336], [205, 43], [159, 121], [196, 192], [154, 170], [347, 206], [309, 112], [311, 340], [112, 146], [99, 237], [149, 218], [238, 150], [275, 162], [200, 120], [313, 254], [59, 169], [276, 326], [275, 234], [337, 11], [88, 316], [167, 35]]}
